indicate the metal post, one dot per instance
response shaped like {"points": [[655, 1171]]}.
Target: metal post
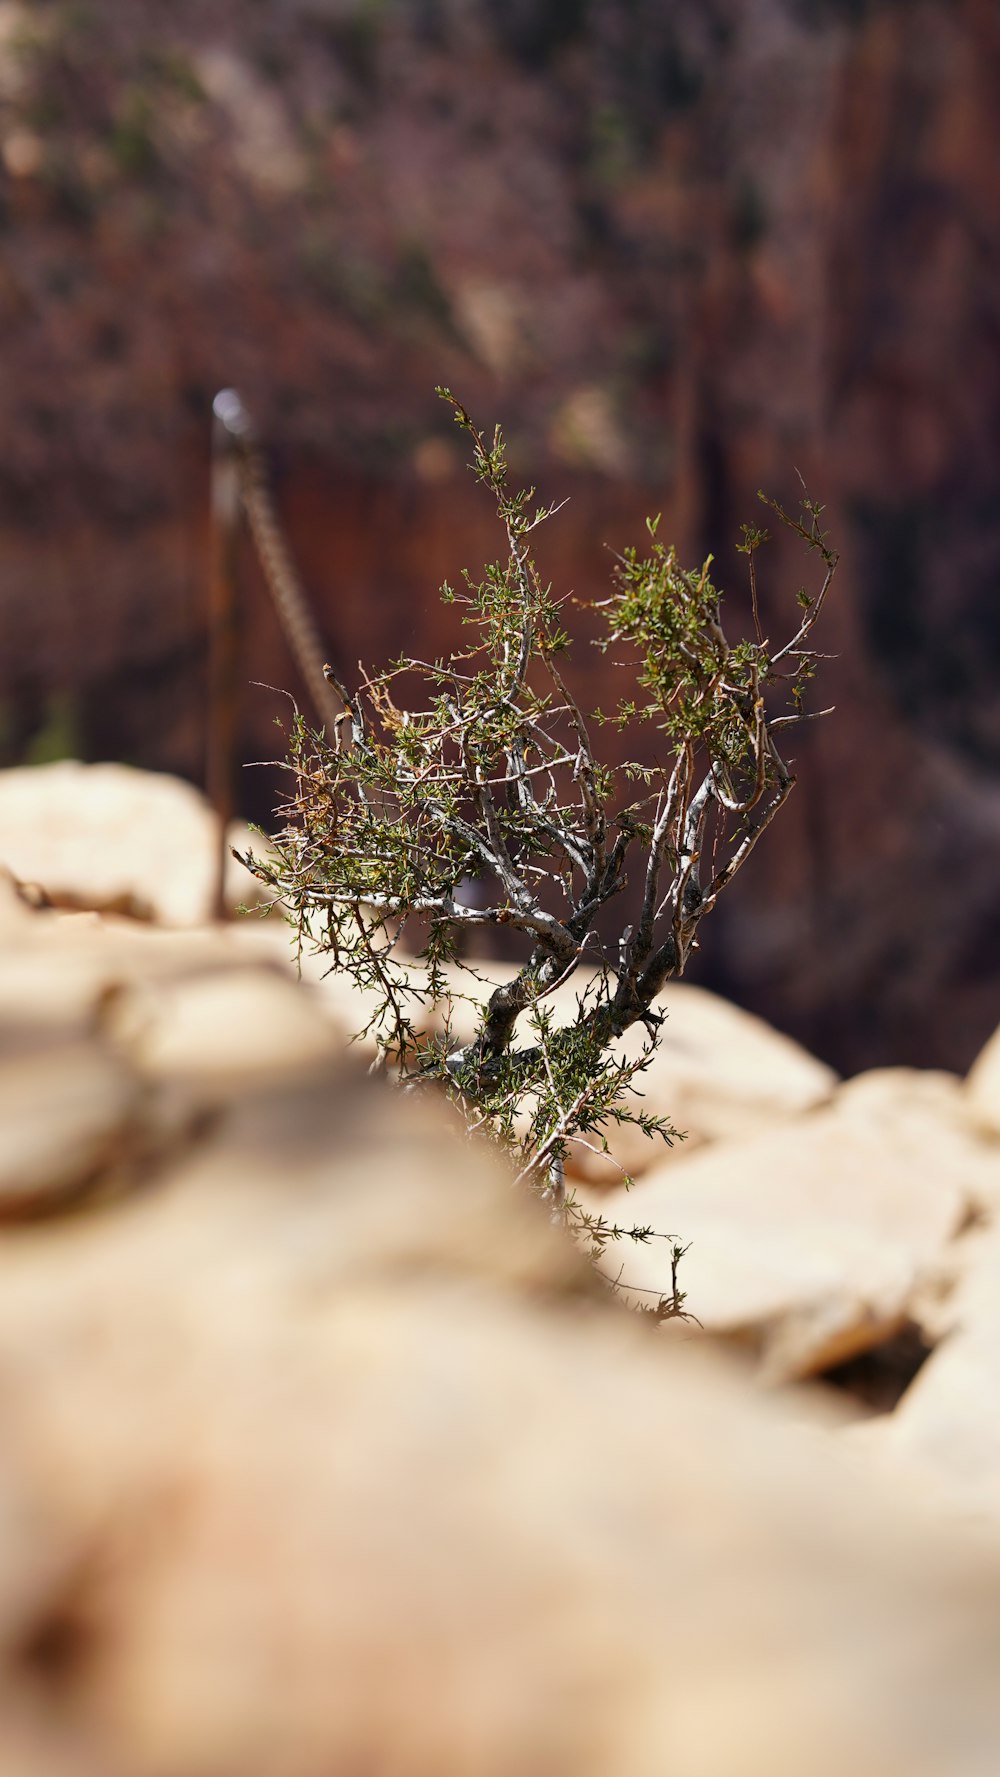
{"points": [[227, 412]]}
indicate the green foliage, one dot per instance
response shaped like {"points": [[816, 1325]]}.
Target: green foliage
{"points": [[132, 142], [59, 735], [479, 768]]}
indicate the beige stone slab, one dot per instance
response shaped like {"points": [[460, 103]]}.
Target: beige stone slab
{"points": [[946, 1428], [229, 1025], [67, 1114], [811, 1238], [115, 839], [950, 1414], [717, 1072], [58, 968], [982, 1088], [321, 1502], [926, 1114]]}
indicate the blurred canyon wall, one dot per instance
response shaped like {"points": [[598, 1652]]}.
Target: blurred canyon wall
{"points": [[681, 252]]}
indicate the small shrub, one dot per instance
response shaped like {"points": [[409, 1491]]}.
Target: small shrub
{"points": [[482, 768]]}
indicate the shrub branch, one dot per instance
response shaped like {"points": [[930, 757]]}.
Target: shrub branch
{"points": [[464, 793]]}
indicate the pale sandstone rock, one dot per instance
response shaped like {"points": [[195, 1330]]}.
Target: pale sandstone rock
{"points": [[726, 1070], [15, 912], [810, 1240], [115, 839], [975, 1299], [718, 1072], [68, 1113], [946, 1429], [238, 1023], [318, 1505], [325, 1453], [925, 1113], [115, 1036], [61, 971], [948, 1423], [982, 1088]]}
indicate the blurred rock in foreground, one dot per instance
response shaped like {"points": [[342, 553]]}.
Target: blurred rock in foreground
{"points": [[325, 1453]]}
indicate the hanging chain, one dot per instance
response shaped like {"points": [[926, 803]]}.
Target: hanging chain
{"points": [[287, 592]]}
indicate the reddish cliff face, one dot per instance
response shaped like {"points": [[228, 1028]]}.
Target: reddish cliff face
{"points": [[680, 252]]}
